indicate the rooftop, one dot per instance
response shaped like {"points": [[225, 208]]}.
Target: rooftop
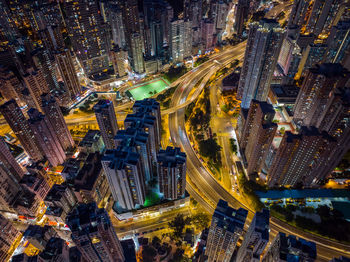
{"points": [[102, 104], [294, 249], [86, 218], [121, 157], [262, 222], [140, 120], [131, 137], [56, 192], [285, 93], [171, 157], [89, 173], [228, 217], [54, 247], [146, 103], [330, 70], [91, 137]]}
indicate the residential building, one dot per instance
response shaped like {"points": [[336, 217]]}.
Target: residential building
{"points": [[20, 126], [187, 38], [56, 249], [260, 59], [313, 54], [87, 32], [60, 200], [256, 238], [36, 84], [125, 177], [68, 73], [118, 58], [94, 235], [226, 228], [10, 86], [241, 16], [334, 121], [92, 142], [36, 184], [147, 123], [338, 42], [139, 142], [297, 156], [54, 114], [284, 248], [10, 189], [151, 107], [321, 17], [37, 237], [8, 235], [193, 10], [115, 19], [137, 60], [46, 65], [90, 184], [7, 159], [289, 59], [315, 90], [261, 134], [207, 33], [107, 121], [177, 40], [172, 172], [46, 136]]}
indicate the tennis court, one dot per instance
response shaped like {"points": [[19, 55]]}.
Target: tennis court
{"points": [[148, 89]]}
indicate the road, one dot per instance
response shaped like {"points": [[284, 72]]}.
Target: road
{"points": [[201, 184], [125, 229]]}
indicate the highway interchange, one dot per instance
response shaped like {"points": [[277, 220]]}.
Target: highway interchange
{"points": [[201, 184]]}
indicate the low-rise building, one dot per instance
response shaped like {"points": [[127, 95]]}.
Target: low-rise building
{"points": [[60, 200], [91, 142], [230, 82], [90, 184], [36, 184], [56, 250], [286, 248]]}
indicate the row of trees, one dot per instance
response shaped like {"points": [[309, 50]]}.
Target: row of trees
{"points": [[175, 72], [200, 221], [233, 145], [332, 223]]}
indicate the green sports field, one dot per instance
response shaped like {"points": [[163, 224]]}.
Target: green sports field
{"points": [[148, 89]]}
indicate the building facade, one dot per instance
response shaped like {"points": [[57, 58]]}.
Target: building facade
{"points": [[260, 59]]}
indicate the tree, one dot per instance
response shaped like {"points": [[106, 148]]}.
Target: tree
{"points": [[156, 240], [225, 108], [148, 253], [64, 110], [161, 97], [210, 148], [233, 145], [324, 211], [282, 130], [178, 224], [200, 221]]}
